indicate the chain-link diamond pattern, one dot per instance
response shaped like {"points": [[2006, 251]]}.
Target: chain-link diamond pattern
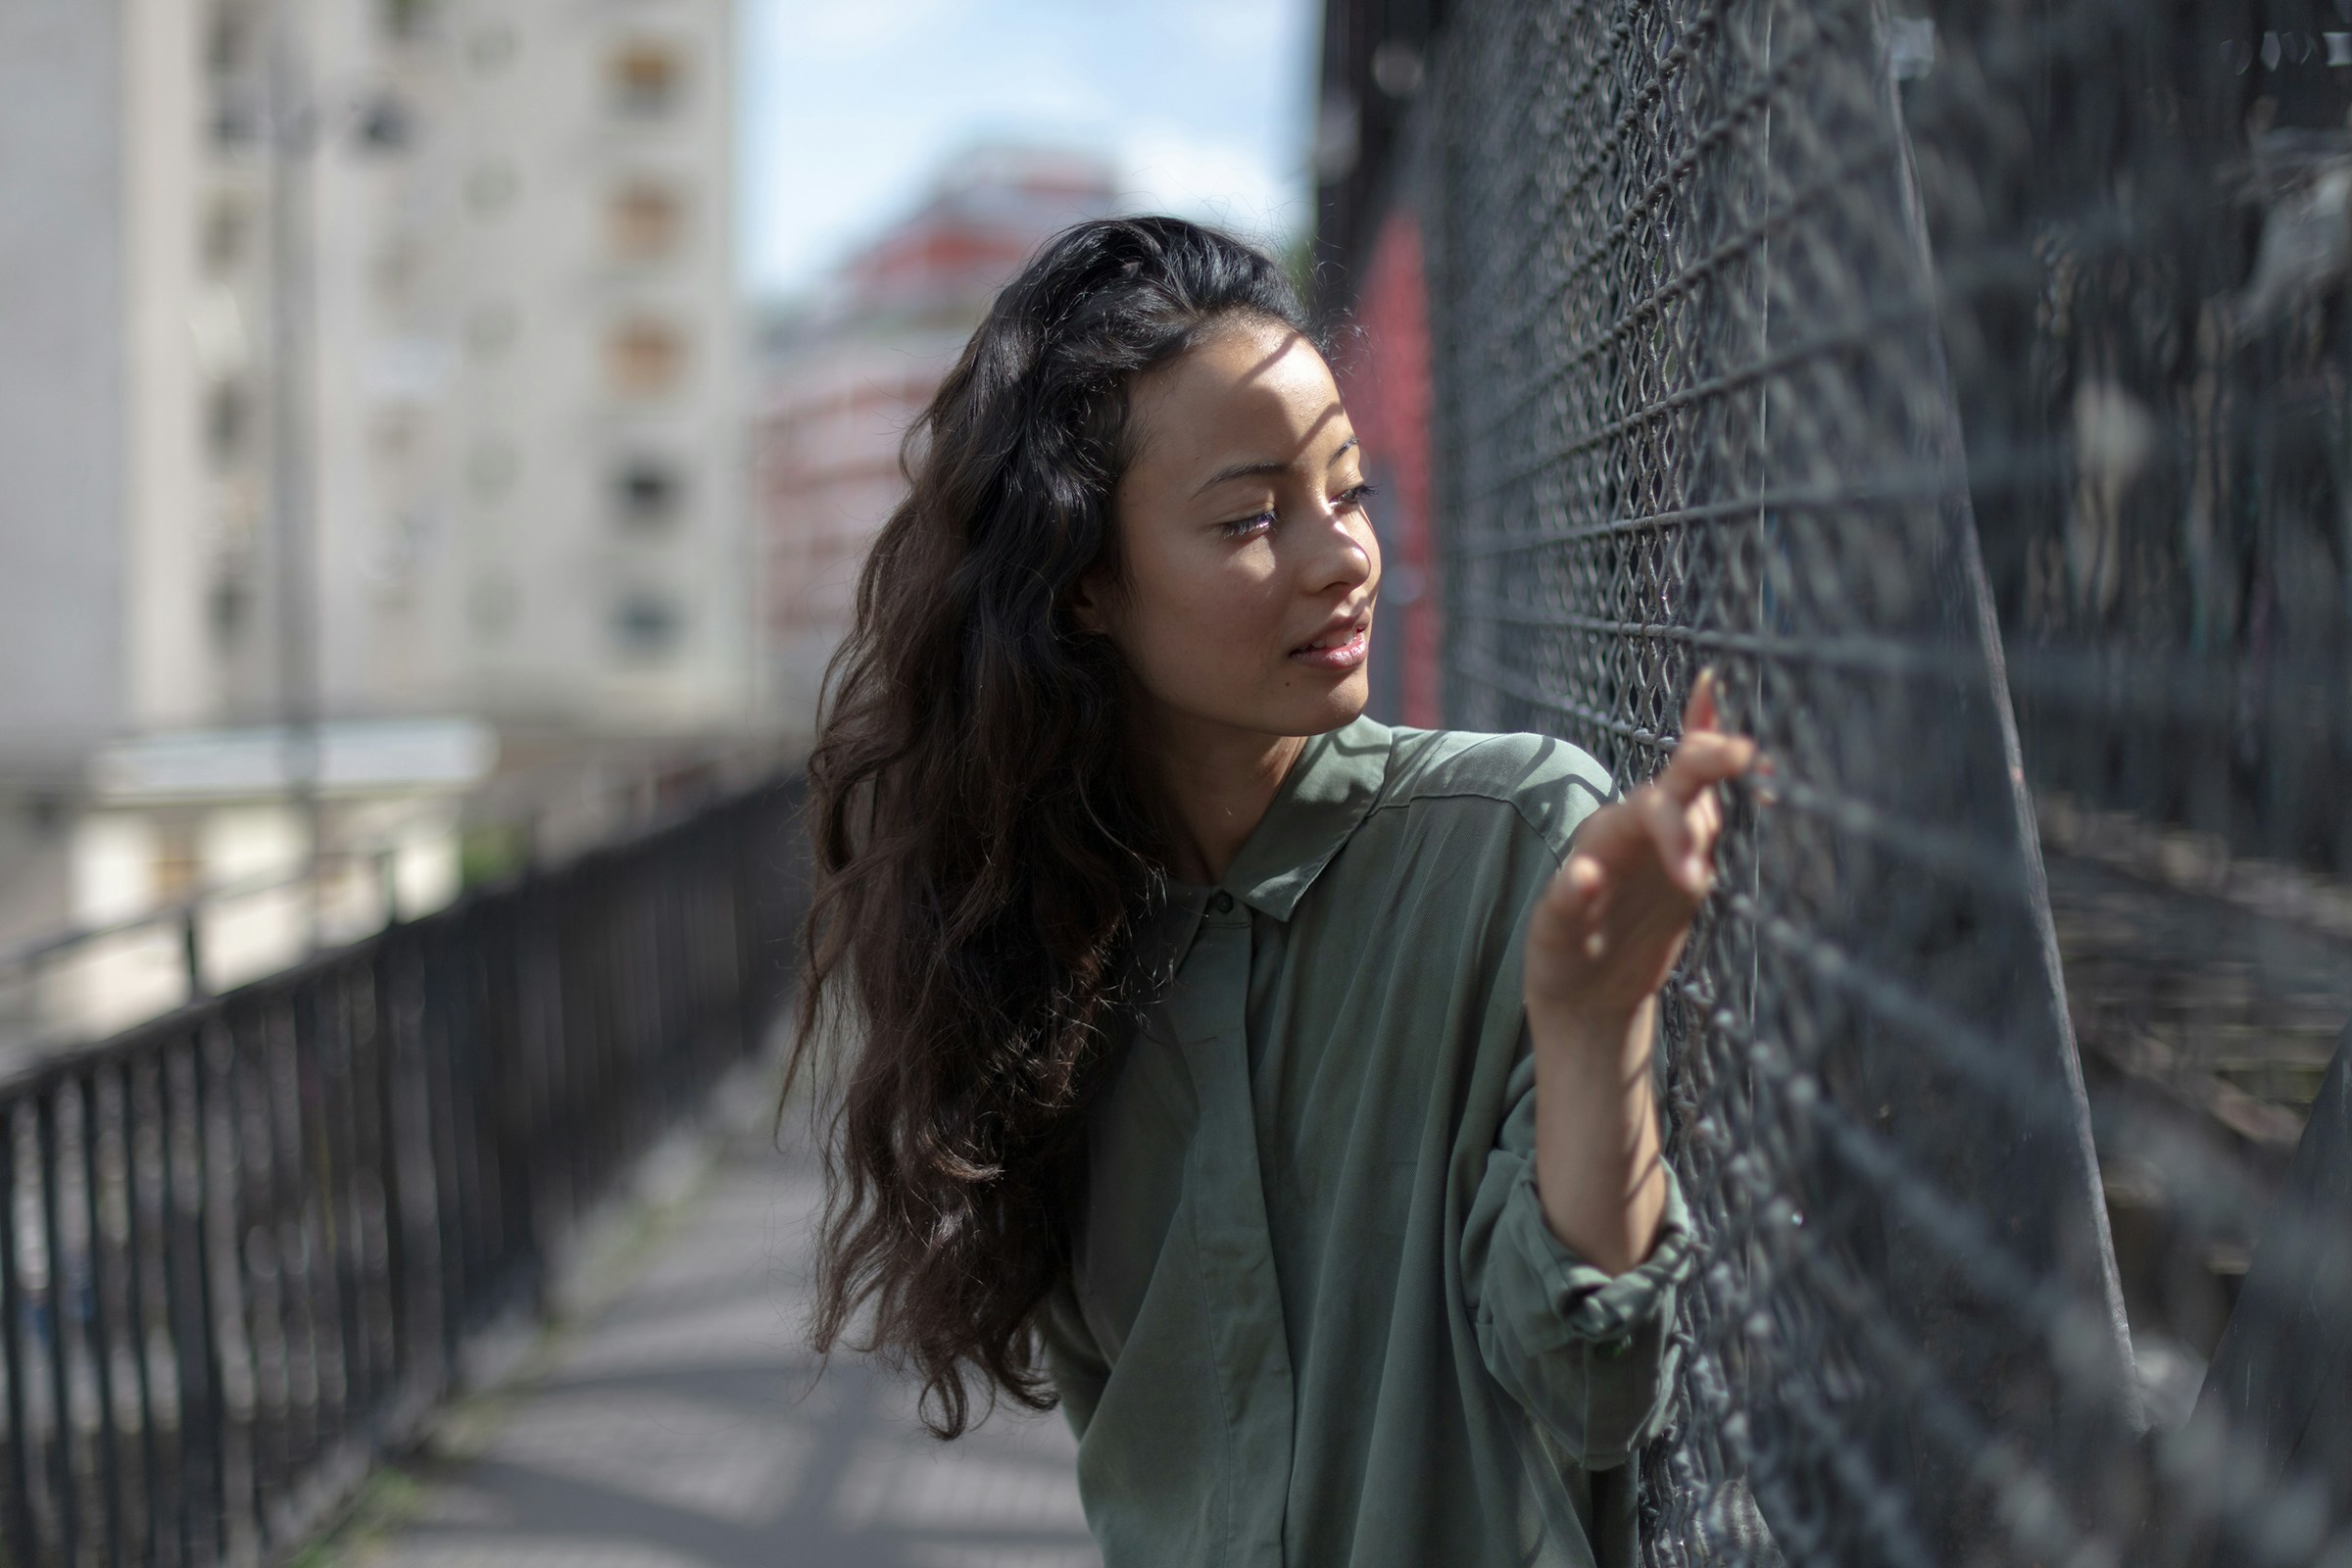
{"points": [[1744, 351]]}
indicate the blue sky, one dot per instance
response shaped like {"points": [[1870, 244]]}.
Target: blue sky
{"points": [[849, 105]]}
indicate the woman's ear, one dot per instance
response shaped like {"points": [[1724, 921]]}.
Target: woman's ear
{"points": [[1088, 601]]}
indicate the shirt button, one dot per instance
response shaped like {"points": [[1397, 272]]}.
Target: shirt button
{"points": [[1222, 903]]}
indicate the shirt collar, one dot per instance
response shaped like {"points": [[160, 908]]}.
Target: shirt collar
{"points": [[1322, 799], [1324, 796]]}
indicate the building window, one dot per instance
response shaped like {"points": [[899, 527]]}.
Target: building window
{"points": [[408, 19], [644, 219], [231, 43], [228, 607], [646, 626], [178, 861], [644, 358], [227, 421], [646, 78], [493, 48], [386, 124], [236, 120], [232, 53], [227, 226], [647, 493]]}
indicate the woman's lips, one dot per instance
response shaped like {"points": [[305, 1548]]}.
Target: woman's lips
{"points": [[1339, 655]]}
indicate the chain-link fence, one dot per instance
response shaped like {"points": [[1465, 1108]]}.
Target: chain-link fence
{"points": [[1969, 390]]}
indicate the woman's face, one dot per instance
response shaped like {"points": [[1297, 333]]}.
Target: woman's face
{"points": [[1249, 564]]}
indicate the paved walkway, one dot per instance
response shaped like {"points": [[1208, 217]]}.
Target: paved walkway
{"points": [[676, 1426]]}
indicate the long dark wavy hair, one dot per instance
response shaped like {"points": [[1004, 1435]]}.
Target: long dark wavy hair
{"points": [[981, 850]]}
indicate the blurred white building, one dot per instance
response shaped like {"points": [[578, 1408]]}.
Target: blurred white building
{"points": [[362, 362], [575, 533], [841, 378]]}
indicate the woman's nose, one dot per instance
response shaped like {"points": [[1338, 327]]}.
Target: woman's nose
{"points": [[1347, 555]]}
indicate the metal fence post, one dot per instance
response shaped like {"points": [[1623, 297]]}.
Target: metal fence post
{"points": [[2278, 1394], [191, 953], [459, 1087], [24, 1543]]}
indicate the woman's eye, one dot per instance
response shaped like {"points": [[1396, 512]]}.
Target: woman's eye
{"points": [[1243, 527], [1353, 495]]}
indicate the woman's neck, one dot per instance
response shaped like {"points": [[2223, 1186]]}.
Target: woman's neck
{"points": [[1214, 785]]}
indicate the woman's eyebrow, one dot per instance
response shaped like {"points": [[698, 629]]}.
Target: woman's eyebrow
{"points": [[1250, 470], [1242, 470]]}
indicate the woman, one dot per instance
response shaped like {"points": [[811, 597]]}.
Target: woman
{"points": [[1270, 1087]]}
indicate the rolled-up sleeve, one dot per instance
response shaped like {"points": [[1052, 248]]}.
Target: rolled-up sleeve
{"points": [[1588, 1356]]}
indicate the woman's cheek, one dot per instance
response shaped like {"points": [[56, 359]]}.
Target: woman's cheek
{"points": [[1224, 645], [1210, 635], [1182, 646], [1250, 625]]}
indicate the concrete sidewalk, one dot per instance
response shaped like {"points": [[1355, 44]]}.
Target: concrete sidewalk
{"points": [[674, 1425]]}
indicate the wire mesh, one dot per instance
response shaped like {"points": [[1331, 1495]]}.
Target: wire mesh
{"points": [[1926, 375]]}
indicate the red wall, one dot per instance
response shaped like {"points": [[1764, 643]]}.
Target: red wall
{"points": [[1384, 377]]}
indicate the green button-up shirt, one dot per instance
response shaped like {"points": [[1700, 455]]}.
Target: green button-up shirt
{"points": [[1315, 1317]]}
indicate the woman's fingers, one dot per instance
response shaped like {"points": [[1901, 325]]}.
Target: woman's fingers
{"points": [[1593, 884], [1704, 759], [1587, 884], [1576, 902], [1706, 821], [1699, 710], [1580, 889], [1670, 828], [1615, 885], [1618, 912]]}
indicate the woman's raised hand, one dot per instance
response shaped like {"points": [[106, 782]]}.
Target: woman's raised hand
{"points": [[1608, 930]]}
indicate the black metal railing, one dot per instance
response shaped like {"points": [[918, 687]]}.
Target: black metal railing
{"points": [[242, 1246]]}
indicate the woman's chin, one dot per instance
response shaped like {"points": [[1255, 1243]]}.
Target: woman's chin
{"points": [[1327, 706], [1335, 708]]}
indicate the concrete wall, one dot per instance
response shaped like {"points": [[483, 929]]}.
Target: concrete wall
{"points": [[168, 658], [62, 429]]}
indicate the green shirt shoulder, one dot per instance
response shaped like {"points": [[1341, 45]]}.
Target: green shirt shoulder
{"points": [[1548, 784]]}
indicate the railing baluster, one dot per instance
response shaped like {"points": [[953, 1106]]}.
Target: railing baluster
{"points": [[289, 1046], [213, 1522], [66, 1503], [100, 1338], [341, 1197], [257, 1269], [371, 1193], [22, 1460], [140, 1308], [453, 1279], [184, 1319], [394, 1048]]}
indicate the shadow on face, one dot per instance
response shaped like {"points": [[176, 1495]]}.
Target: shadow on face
{"points": [[1248, 567]]}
